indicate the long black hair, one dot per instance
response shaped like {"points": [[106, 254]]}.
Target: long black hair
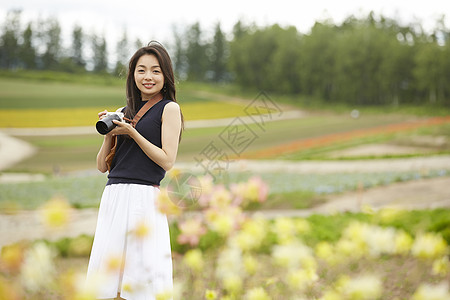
{"points": [[134, 94]]}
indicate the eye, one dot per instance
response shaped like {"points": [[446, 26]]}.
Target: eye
{"points": [[157, 71]]}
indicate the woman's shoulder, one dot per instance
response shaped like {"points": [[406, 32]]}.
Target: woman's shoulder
{"points": [[171, 106]]}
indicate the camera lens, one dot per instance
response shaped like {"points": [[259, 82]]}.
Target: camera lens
{"points": [[106, 124]]}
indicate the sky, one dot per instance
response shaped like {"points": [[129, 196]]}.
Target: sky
{"points": [[154, 20]]}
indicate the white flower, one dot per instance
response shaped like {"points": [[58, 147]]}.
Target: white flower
{"points": [[366, 287], [229, 263], [257, 294], [429, 245], [432, 292], [294, 256], [38, 270]]}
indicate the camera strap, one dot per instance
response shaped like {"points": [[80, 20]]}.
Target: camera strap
{"points": [[145, 108], [133, 123]]}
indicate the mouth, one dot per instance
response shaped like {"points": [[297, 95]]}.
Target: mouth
{"points": [[148, 85]]}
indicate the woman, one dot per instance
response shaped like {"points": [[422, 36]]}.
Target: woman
{"points": [[131, 249]]}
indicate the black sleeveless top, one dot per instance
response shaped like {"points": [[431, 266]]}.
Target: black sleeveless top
{"points": [[130, 163]]}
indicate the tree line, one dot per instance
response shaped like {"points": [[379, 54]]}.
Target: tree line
{"points": [[371, 60]]}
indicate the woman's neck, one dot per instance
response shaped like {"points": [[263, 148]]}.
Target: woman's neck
{"points": [[155, 98]]}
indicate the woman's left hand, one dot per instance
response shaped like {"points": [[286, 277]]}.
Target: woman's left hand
{"points": [[122, 128]]}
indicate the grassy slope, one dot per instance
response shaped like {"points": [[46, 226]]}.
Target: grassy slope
{"points": [[34, 103], [56, 99]]}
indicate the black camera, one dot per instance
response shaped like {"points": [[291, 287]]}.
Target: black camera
{"points": [[106, 124]]}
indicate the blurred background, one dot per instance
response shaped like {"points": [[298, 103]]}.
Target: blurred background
{"points": [[338, 106]]}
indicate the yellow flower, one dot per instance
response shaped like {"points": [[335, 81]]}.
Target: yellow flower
{"points": [[366, 287], [331, 295], [173, 173], [301, 278], [403, 242], [251, 235], [56, 213], [441, 266], [223, 220], [250, 264], [432, 292], [166, 295], [11, 257], [165, 204], [114, 263], [232, 283], [350, 249], [126, 287], [142, 230], [356, 231], [223, 224], [285, 229], [429, 245], [210, 295], [324, 250], [8, 291], [257, 294], [220, 197], [194, 260]]}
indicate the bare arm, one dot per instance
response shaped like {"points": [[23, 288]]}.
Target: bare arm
{"points": [[105, 148], [170, 133], [103, 152]]}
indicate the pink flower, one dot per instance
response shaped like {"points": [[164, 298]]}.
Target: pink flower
{"points": [[254, 190], [257, 189], [191, 231]]}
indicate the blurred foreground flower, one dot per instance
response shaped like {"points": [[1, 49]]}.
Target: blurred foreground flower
{"points": [[429, 245], [301, 279], [432, 292], [194, 260], [223, 220], [441, 266], [365, 287], [403, 242], [210, 295], [38, 271], [166, 295], [254, 190], [56, 213], [165, 204], [11, 258], [294, 256], [251, 235], [141, 230], [8, 291], [257, 294], [191, 231]]}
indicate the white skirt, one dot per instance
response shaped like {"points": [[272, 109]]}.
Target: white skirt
{"points": [[131, 252]]}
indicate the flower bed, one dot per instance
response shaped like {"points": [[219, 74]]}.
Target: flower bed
{"points": [[223, 253]]}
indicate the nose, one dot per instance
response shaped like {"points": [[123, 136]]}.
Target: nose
{"points": [[148, 75]]}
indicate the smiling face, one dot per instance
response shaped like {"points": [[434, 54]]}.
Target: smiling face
{"points": [[148, 76]]}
